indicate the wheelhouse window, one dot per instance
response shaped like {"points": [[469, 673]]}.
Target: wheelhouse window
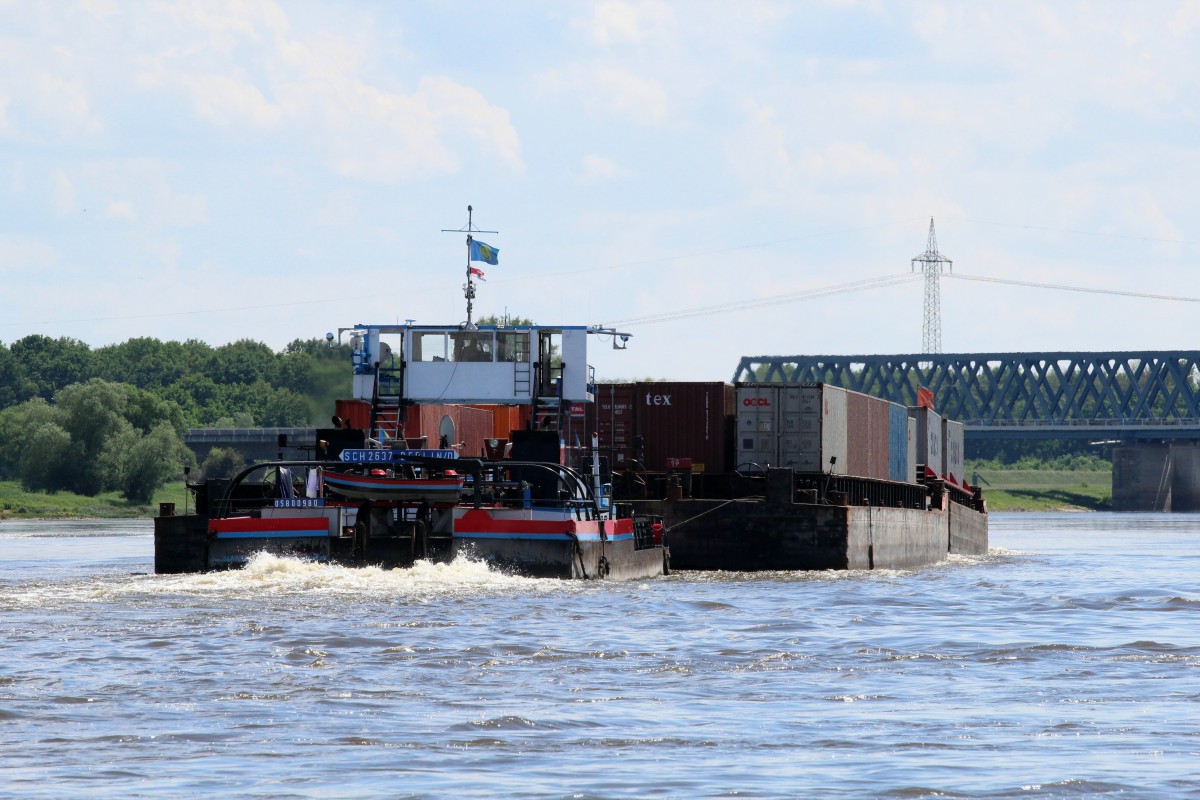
{"points": [[512, 346], [472, 345], [429, 345]]}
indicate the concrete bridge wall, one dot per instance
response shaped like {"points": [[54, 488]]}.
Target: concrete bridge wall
{"points": [[1156, 476]]}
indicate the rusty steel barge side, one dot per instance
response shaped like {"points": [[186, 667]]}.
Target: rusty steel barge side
{"points": [[789, 530]]}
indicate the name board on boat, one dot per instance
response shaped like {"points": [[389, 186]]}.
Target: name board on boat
{"points": [[387, 456], [299, 502]]}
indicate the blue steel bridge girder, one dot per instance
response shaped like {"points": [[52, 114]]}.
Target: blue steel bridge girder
{"points": [[1031, 389]]}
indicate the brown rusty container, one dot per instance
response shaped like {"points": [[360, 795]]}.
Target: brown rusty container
{"points": [[686, 420], [612, 418], [858, 446]]}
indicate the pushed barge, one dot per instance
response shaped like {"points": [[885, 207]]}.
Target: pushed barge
{"points": [[528, 473]]}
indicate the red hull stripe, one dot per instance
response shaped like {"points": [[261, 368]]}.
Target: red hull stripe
{"points": [[562, 536], [478, 524], [277, 526]]}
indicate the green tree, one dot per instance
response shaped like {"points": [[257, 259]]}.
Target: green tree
{"points": [[14, 387], [92, 413], [47, 459], [244, 361], [16, 424], [137, 463], [51, 364], [222, 462], [144, 362], [281, 408]]}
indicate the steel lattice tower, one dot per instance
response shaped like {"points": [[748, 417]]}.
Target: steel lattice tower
{"points": [[931, 262]]}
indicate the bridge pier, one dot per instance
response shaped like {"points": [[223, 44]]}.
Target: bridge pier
{"points": [[1156, 476]]}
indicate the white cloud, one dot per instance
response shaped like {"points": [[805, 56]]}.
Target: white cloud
{"points": [[595, 169], [607, 89], [24, 256], [230, 100], [101, 9], [64, 192], [66, 104], [619, 21], [121, 209], [1186, 19], [849, 158], [316, 90], [138, 189]]}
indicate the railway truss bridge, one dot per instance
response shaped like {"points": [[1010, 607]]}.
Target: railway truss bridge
{"points": [[1146, 402]]}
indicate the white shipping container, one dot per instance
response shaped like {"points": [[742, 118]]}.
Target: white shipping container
{"points": [[757, 426], [813, 419]]}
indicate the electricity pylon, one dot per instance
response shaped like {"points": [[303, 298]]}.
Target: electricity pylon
{"points": [[931, 262]]}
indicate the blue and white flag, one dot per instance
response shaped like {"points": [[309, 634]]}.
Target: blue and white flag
{"points": [[484, 252]]}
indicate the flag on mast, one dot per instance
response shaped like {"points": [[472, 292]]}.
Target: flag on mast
{"points": [[484, 252], [478, 273]]}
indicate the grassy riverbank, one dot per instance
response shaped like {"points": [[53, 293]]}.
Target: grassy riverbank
{"points": [[15, 502], [1047, 489]]}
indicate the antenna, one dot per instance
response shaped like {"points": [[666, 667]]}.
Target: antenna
{"points": [[931, 262], [469, 286]]}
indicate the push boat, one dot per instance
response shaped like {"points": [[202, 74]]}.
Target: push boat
{"points": [[393, 507]]}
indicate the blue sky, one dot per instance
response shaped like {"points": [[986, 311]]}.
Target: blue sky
{"points": [[693, 172]]}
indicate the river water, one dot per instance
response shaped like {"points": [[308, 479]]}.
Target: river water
{"points": [[1066, 663]]}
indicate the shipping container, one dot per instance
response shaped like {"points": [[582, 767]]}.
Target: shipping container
{"points": [[868, 436], [952, 452], [680, 420], [611, 418], [898, 443], [757, 426], [929, 438], [910, 469], [802, 427], [879, 427], [858, 435]]}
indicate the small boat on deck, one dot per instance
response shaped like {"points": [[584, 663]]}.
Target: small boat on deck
{"points": [[394, 487]]}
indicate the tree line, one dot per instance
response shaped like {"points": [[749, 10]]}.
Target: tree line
{"points": [[90, 420]]}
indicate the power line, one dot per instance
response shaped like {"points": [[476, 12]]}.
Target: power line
{"points": [[757, 302], [1065, 288]]}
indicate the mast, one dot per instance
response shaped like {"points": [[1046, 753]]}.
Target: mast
{"points": [[469, 286]]}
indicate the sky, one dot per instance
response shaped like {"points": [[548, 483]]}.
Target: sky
{"points": [[717, 179]]}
